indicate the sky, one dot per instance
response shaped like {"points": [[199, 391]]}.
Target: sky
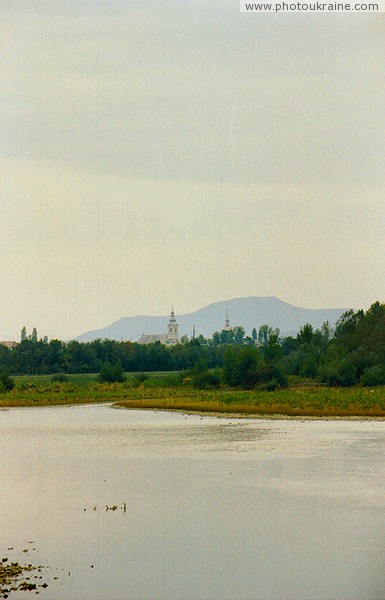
{"points": [[161, 152]]}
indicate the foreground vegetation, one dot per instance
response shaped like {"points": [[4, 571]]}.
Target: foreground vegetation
{"points": [[301, 398]]}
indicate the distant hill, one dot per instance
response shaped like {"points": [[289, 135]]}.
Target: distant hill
{"points": [[249, 312]]}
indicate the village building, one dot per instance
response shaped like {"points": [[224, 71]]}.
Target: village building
{"points": [[9, 344], [168, 339]]}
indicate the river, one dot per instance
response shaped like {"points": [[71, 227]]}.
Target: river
{"points": [[206, 508]]}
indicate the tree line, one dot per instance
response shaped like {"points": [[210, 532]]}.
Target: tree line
{"points": [[41, 357], [351, 352]]}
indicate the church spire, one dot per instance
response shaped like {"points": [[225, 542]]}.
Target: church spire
{"points": [[172, 329]]}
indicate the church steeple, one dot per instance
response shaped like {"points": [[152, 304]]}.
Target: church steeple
{"points": [[172, 328], [227, 322]]}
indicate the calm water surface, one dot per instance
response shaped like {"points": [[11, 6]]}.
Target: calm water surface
{"points": [[215, 508]]}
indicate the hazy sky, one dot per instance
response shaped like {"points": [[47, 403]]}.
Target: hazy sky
{"points": [[176, 151]]}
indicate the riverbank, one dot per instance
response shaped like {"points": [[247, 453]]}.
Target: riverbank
{"points": [[291, 403], [295, 401]]}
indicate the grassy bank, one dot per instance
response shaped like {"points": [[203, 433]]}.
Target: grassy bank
{"points": [[297, 400], [317, 402]]}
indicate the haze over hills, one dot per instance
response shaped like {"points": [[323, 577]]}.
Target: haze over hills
{"points": [[248, 312]]}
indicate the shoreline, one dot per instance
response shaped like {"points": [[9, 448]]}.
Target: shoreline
{"points": [[215, 413], [296, 403], [261, 416]]}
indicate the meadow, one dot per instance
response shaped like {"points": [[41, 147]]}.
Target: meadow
{"points": [[167, 392]]}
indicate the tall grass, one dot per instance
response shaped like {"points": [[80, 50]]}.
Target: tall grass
{"points": [[169, 393], [319, 402]]}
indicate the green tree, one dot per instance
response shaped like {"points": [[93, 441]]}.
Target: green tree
{"points": [[227, 337], [6, 382], [326, 332], [342, 373], [305, 334], [264, 333], [240, 367], [111, 373], [206, 379], [374, 376], [239, 335], [272, 350]]}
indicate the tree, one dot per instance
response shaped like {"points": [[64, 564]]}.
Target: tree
{"points": [[341, 373], [374, 376], [6, 382], [254, 335], [305, 334], [239, 334], [272, 350], [264, 333], [289, 345], [111, 373], [241, 366], [326, 332], [227, 337], [23, 334]]}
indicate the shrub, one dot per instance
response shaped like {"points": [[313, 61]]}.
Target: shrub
{"points": [[140, 377], [374, 376], [6, 382], [272, 385], [166, 381], [59, 377], [241, 366], [111, 373], [271, 376], [206, 379], [342, 373]]}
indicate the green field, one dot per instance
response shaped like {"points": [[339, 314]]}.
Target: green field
{"points": [[80, 379], [302, 398]]}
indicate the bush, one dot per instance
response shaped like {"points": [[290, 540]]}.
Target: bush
{"points": [[111, 373], [272, 385], [241, 366], [342, 373], [140, 377], [271, 376], [165, 381], [245, 368], [59, 378], [374, 376], [6, 382], [206, 379]]}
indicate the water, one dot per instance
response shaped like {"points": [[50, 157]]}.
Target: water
{"points": [[215, 508]]}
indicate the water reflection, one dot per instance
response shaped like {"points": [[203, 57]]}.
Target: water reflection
{"points": [[215, 508]]}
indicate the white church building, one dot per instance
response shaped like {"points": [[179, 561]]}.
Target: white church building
{"points": [[168, 339]]}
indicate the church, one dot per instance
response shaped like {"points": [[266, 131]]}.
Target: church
{"points": [[168, 339]]}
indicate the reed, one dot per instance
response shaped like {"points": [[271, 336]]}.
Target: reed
{"points": [[296, 403], [311, 400]]}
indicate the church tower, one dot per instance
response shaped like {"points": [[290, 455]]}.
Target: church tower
{"points": [[227, 323], [172, 329]]}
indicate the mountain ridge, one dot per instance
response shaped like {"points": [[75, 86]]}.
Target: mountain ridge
{"points": [[248, 311]]}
